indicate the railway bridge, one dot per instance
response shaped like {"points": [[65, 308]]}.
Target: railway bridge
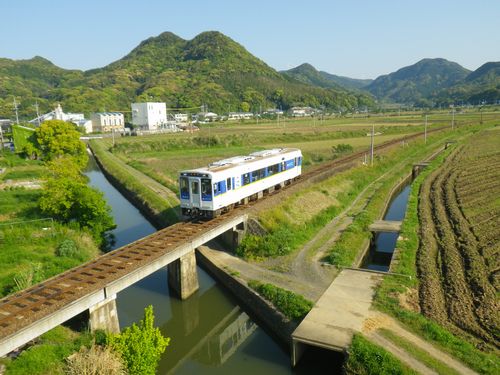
{"points": [[92, 287]]}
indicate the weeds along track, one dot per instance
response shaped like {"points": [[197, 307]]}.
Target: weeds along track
{"points": [[457, 261]]}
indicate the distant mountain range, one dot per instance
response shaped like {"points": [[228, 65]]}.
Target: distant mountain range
{"points": [[429, 82], [308, 74], [210, 69], [213, 70]]}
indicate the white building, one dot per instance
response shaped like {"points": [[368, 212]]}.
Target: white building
{"points": [[206, 117], [107, 121], [301, 111], [57, 114], [181, 117], [149, 116], [239, 116]]}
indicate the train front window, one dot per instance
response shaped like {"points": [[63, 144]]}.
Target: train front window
{"points": [[184, 186], [205, 186], [195, 187]]}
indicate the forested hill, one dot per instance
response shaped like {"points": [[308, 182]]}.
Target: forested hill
{"points": [[210, 69], [309, 74], [482, 85], [416, 83]]}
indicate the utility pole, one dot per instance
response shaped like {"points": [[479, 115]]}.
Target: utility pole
{"points": [[37, 113], [371, 146], [453, 118], [1, 138], [15, 108], [425, 130]]}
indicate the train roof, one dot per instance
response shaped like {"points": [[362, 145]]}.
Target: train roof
{"points": [[223, 164]]}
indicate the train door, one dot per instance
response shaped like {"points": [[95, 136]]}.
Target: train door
{"points": [[194, 188]]}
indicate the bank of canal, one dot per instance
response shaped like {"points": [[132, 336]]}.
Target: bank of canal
{"points": [[210, 333]]}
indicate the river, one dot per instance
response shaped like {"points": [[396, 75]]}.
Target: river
{"points": [[210, 333]]}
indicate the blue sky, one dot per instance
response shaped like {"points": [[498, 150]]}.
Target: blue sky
{"points": [[360, 39]]}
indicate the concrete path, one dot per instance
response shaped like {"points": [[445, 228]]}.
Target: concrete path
{"points": [[340, 311]]}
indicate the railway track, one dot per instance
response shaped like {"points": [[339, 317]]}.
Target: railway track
{"points": [[20, 309]]}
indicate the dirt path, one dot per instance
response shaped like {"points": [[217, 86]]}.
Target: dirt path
{"points": [[381, 320], [249, 271]]}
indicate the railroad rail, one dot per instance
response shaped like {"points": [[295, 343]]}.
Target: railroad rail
{"points": [[18, 311]]}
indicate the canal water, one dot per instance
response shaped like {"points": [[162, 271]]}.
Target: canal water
{"points": [[210, 333], [383, 244]]}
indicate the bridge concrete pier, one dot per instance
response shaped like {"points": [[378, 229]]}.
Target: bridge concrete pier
{"points": [[104, 315], [182, 275], [233, 237]]}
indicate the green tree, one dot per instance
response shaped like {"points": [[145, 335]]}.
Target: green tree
{"points": [[67, 197], [56, 138], [140, 346], [245, 107]]}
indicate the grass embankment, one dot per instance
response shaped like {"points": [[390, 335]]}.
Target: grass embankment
{"points": [[30, 241], [388, 294], [292, 305], [364, 357], [296, 220], [48, 356], [161, 206]]}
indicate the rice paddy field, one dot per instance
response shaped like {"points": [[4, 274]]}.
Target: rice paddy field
{"points": [[457, 261]]}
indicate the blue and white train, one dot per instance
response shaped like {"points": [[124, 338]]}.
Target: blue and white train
{"points": [[217, 188]]}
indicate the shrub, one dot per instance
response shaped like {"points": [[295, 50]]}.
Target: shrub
{"points": [[140, 346], [67, 248], [97, 360]]}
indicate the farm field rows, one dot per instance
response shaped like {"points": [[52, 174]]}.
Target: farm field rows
{"points": [[457, 261]]}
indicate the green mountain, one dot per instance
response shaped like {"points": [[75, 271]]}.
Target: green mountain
{"points": [[417, 83], [308, 74], [482, 85], [210, 69], [346, 82]]}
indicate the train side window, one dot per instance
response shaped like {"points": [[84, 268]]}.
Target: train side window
{"points": [[216, 188], [273, 169], [262, 173], [255, 176], [228, 183], [246, 179]]}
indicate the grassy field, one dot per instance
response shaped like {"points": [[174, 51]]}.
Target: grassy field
{"points": [[48, 356], [295, 219], [162, 156], [28, 239]]}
